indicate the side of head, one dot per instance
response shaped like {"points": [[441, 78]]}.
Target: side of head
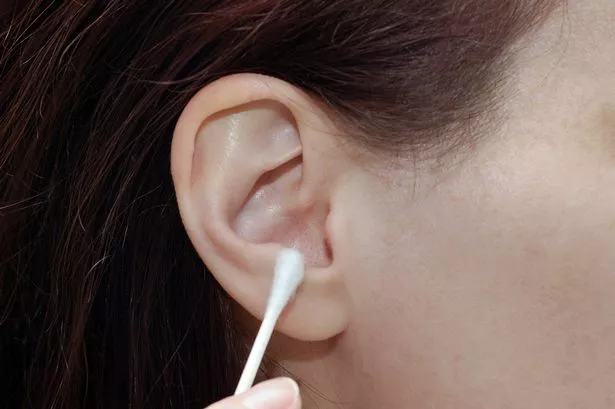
{"points": [[400, 145]]}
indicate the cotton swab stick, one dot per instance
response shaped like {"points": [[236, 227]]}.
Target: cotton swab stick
{"points": [[288, 276]]}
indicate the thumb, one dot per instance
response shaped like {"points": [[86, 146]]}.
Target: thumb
{"points": [[282, 393]]}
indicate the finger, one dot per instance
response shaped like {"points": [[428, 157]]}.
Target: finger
{"points": [[282, 393]]}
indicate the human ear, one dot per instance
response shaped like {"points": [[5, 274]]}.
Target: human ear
{"points": [[251, 178]]}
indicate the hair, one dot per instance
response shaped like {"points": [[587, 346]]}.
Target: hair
{"points": [[103, 301]]}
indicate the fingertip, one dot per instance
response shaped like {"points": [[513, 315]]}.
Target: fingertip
{"points": [[280, 393]]}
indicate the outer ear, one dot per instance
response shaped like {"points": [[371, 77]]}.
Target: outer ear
{"points": [[251, 176]]}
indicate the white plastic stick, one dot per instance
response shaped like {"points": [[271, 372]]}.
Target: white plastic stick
{"points": [[287, 277]]}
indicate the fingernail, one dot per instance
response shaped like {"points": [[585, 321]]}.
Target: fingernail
{"points": [[276, 394]]}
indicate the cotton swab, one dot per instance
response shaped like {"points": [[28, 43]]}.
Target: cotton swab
{"points": [[288, 276]]}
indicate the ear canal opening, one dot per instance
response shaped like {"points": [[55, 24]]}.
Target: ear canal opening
{"points": [[328, 249]]}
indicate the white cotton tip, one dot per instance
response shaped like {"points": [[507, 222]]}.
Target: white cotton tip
{"points": [[287, 277]]}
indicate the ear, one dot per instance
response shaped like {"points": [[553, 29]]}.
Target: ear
{"points": [[253, 173]]}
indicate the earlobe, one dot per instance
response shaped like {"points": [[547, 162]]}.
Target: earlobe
{"points": [[239, 166]]}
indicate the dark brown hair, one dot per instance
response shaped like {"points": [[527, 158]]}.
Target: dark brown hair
{"points": [[103, 301]]}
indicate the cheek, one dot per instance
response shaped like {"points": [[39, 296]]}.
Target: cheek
{"points": [[495, 287]]}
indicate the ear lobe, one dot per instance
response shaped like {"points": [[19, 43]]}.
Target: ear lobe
{"points": [[243, 194]]}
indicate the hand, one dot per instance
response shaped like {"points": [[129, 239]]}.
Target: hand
{"points": [[282, 393]]}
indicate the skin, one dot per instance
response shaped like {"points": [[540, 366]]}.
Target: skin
{"points": [[489, 281]]}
